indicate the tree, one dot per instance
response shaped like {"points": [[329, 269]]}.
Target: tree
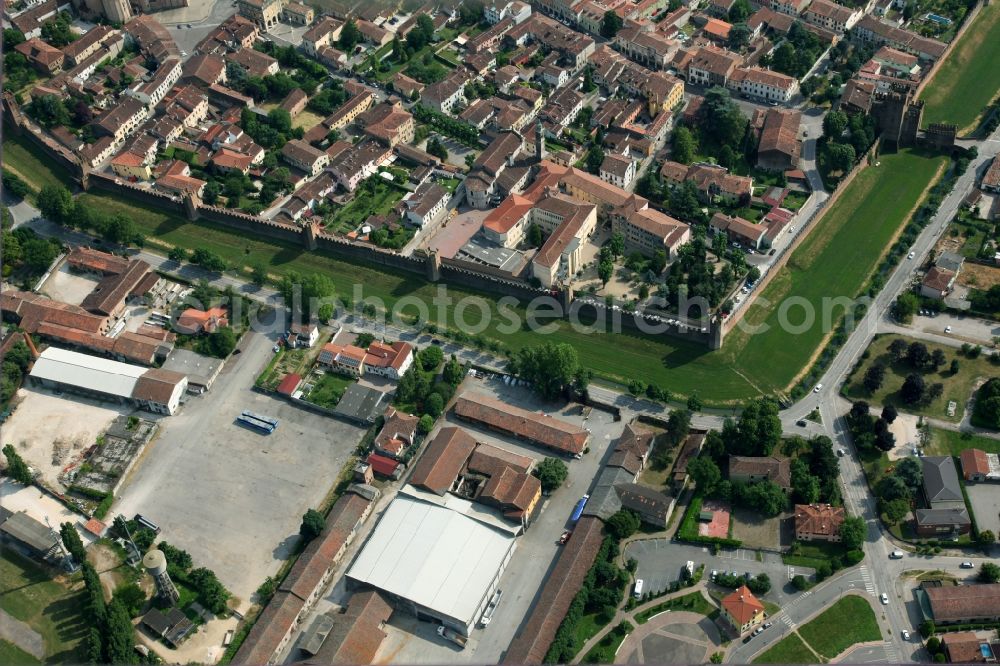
{"points": [[535, 236], [119, 635], [221, 343], [758, 430], [611, 24], [605, 269], [906, 306], [694, 403], [684, 146], [312, 525], [55, 203], [550, 367], [874, 376], [897, 349], [258, 273], [720, 118], [910, 470], [177, 254], [705, 474], [938, 358], [913, 389], [927, 629], [454, 371], [73, 543], [616, 245], [840, 156], [211, 593], [551, 472], [760, 584], [895, 511], [623, 524], [989, 573], [891, 488], [889, 414], [17, 469], [986, 409], [800, 583], [740, 11], [131, 597], [49, 111], [954, 366], [594, 159], [834, 125], [426, 424], [434, 404], [430, 357], [739, 36], [350, 35], [986, 538], [917, 355], [94, 646], [766, 497], [852, 532], [884, 439], [804, 485]]}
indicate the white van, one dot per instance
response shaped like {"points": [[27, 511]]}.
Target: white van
{"points": [[638, 588], [896, 555]]}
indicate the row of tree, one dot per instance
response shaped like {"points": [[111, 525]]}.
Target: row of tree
{"points": [[57, 204]]}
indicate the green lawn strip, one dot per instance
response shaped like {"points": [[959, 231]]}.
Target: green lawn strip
{"points": [[789, 650], [969, 77], [11, 654], [694, 602], [833, 262], [27, 160], [682, 366], [364, 205], [957, 387], [950, 443], [813, 554], [851, 620], [51, 608]]}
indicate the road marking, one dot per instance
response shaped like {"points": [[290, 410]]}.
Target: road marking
{"points": [[788, 621], [791, 573], [866, 576]]}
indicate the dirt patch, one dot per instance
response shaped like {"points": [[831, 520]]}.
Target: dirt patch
{"points": [[755, 531], [52, 432], [904, 428], [979, 276]]}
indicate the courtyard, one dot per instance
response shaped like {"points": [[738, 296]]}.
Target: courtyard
{"points": [[673, 637]]}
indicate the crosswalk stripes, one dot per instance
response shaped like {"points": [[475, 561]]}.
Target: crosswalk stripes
{"points": [[891, 653], [788, 621], [866, 576]]}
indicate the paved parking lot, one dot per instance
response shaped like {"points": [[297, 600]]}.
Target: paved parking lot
{"points": [[661, 562], [671, 638], [232, 497], [416, 642], [985, 500]]}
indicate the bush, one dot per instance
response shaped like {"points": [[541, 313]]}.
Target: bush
{"points": [[800, 582]]}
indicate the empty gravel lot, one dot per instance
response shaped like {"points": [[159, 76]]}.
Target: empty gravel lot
{"points": [[231, 497]]}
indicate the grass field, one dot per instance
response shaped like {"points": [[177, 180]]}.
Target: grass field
{"points": [[789, 650], [11, 654], [834, 261], [693, 603], [365, 204], [51, 608], [957, 387], [969, 77], [307, 120], [22, 157], [950, 443], [329, 390], [851, 620]]}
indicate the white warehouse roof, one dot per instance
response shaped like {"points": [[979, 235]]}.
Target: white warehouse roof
{"points": [[88, 372], [433, 556]]}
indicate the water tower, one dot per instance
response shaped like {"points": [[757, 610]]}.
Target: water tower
{"points": [[156, 564]]}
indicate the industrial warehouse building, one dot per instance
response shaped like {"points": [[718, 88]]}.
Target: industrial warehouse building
{"points": [[440, 560], [153, 389]]}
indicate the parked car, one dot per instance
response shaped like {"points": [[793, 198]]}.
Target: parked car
{"points": [[911, 255], [818, 388], [884, 598], [896, 555], [967, 565], [905, 634]]}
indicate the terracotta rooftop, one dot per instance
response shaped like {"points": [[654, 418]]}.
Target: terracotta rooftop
{"points": [[443, 459], [818, 519], [773, 469], [974, 461], [742, 605], [963, 602], [546, 430]]}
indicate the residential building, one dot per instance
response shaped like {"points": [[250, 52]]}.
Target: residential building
{"points": [[789, 7], [738, 230], [444, 95], [121, 120], [978, 465], [546, 431], [325, 33], [712, 66], [265, 13], [650, 49], [359, 162], [302, 156], [832, 16], [498, 10], [426, 205], [163, 79], [753, 469], [945, 512], [296, 13], [991, 179], [937, 283], [253, 62], [398, 433], [204, 70], [390, 361], [765, 84], [960, 604], [779, 147], [131, 166], [818, 522], [870, 29], [714, 183], [46, 59], [89, 43], [389, 123], [177, 180], [302, 336], [965, 647], [619, 170], [295, 102], [374, 34], [194, 321], [347, 359], [742, 610]]}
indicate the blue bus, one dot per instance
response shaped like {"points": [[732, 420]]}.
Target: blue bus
{"points": [[578, 511], [255, 421], [261, 417]]}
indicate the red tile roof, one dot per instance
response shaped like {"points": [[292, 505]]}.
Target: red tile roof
{"points": [[974, 461], [357, 634], [964, 602], [741, 605], [443, 459], [382, 465], [818, 519], [545, 430], [289, 383]]}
